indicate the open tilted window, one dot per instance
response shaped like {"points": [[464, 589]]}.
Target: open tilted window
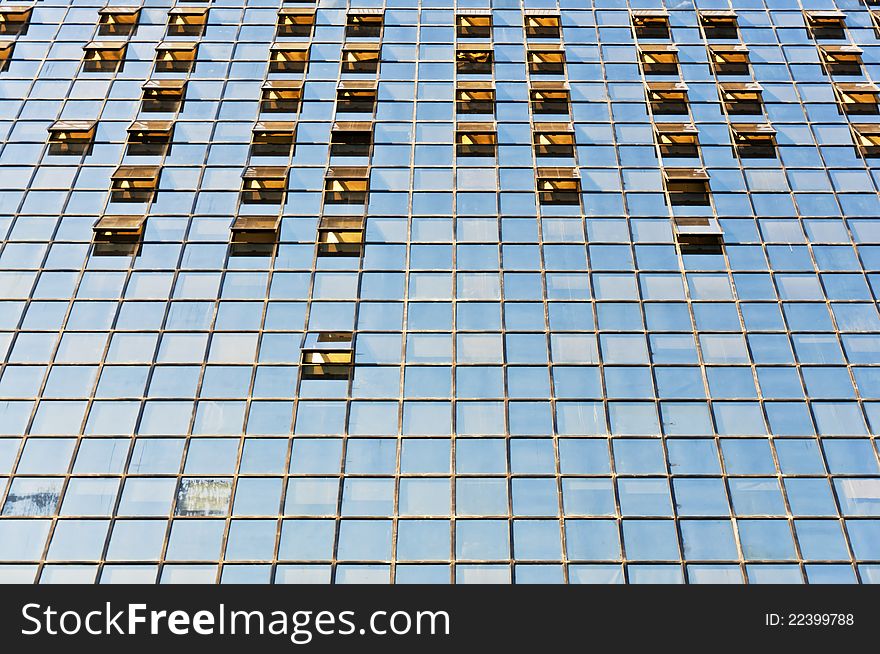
{"points": [[14, 19], [719, 24], [474, 24], [542, 24], [729, 59], [346, 185], [187, 21], [176, 56], [546, 59], [264, 184], [119, 229], [364, 23], [118, 21], [867, 138], [134, 183], [150, 137], [288, 57], [361, 57], [841, 59], [340, 236], [104, 56], [667, 98], [74, 137], [476, 139], [650, 23], [272, 138], [826, 23], [356, 96], [558, 185], [473, 59], [351, 138], [295, 21], [857, 97], [686, 186], [660, 59], [327, 355], [741, 97], [754, 140], [281, 96], [259, 230], [553, 140], [475, 98], [550, 98], [163, 94], [698, 235], [118, 235], [7, 47], [677, 139]]}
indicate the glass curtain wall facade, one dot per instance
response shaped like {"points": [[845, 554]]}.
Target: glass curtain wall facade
{"points": [[438, 291]]}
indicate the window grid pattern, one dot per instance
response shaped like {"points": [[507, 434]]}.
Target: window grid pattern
{"points": [[540, 392]]}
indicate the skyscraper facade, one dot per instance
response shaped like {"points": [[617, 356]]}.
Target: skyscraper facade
{"points": [[440, 291]]}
